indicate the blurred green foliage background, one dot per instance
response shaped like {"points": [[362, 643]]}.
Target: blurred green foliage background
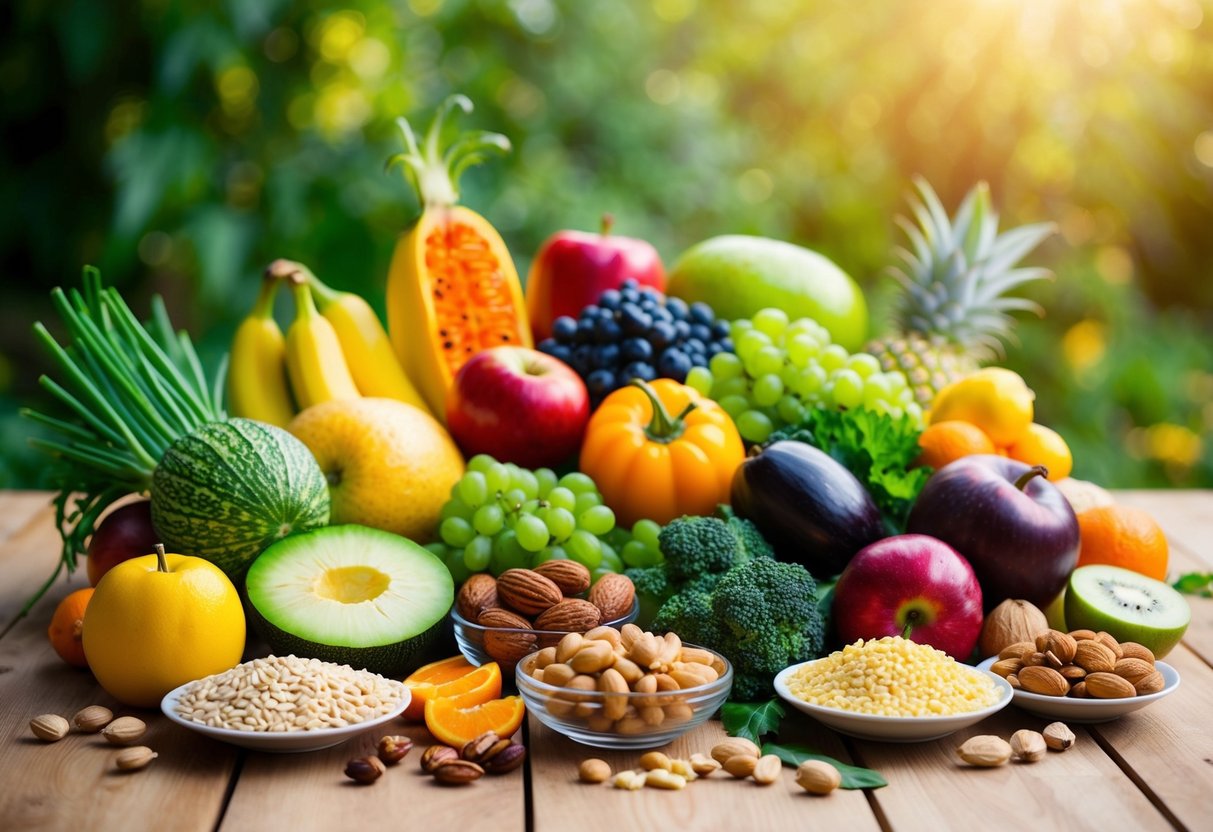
{"points": [[183, 145]]}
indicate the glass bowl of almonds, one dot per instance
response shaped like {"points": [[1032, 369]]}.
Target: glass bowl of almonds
{"points": [[623, 688], [503, 618]]}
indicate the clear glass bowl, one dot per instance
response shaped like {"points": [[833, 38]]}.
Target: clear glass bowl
{"points": [[506, 645], [574, 713]]}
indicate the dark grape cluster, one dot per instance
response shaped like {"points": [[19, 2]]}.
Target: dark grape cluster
{"points": [[635, 332]]}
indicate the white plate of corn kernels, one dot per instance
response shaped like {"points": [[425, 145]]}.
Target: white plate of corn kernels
{"points": [[280, 741], [1089, 711], [890, 728]]}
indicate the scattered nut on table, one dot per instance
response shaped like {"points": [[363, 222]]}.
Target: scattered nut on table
{"points": [[49, 727]]}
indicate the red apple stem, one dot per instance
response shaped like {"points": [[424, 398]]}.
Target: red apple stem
{"points": [[608, 222], [161, 558], [911, 619], [1029, 475]]}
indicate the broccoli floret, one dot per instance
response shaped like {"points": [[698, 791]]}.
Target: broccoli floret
{"points": [[767, 617], [652, 588], [688, 613], [698, 546]]}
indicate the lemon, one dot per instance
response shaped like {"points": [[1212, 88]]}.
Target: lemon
{"points": [[994, 398], [389, 465], [158, 621]]}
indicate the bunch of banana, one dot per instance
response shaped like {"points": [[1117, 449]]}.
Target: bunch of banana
{"points": [[336, 348]]}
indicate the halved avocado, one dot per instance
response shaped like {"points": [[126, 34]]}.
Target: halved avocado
{"points": [[351, 595]]}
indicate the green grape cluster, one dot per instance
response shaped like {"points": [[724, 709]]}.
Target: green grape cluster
{"points": [[501, 516], [779, 369]]}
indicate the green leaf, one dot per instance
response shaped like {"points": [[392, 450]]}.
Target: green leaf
{"points": [[1196, 583], [853, 777], [751, 720]]}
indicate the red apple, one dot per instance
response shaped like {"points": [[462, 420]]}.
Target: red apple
{"points": [[911, 585], [126, 532], [573, 268], [518, 405], [1013, 525]]}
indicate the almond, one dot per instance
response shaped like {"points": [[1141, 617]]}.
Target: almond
{"points": [[1111, 643], [1150, 683], [613, 595], [1059, 644], [527, 591], [572, 615], [1133, 650], [1094, 657], [1082, 635], [506, 647], [1108, 686], [1043, 680], [1133, 670], [1005, 667], [1016, 650], [570, 576], [478, 593]]}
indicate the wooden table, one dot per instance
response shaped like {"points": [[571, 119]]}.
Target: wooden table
{"points": [[1149, 770]]}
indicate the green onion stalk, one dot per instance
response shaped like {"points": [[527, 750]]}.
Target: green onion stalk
{"points": [[130, 391]]}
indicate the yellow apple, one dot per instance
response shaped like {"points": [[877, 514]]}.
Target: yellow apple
{"points": [[389, 465]]}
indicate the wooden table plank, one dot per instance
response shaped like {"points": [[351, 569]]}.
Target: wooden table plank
{"points": [[20, 508], [309, 791], [720, 802], [1169, 745], [931, 789]]}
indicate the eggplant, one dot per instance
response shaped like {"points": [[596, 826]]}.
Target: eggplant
{"points": [[811, 509]]}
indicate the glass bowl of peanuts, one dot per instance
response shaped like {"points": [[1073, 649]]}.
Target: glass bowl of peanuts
{"points": [[623, 688]]}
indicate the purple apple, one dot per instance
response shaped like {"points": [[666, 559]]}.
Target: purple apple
{"points": [[1013, 525], [911, 585], [518, 405]]}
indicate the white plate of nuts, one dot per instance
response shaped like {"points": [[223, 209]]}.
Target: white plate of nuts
{"points": [[286, 704], [1089, 710]]}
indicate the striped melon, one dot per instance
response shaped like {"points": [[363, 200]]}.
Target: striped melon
{"points": [[227, 490]]}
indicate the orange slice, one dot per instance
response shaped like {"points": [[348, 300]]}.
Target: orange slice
{"points": [[449, 678], [455, 726]]}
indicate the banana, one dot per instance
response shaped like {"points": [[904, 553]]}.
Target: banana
{"points": [[367, 348], [256, 384], [314, 361]]}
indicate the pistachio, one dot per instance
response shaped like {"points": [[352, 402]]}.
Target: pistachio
{"points": [[1028, 746], [818, 777], [92, 719], [457, 772], [364, 770], [985, 751], [49, 727], [435, 756], [134, 758], [593, 770], [1058, 736], [124, 730], [394, 749]]}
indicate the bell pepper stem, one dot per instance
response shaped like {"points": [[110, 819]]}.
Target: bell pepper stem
{"points": [[1029, 475], [661, 427], [161, 558]]}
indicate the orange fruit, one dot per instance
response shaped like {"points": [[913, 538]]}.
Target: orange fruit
{"points": [[1039, 445], [945, 442], [995, 399], [455, 725], [66, 627], [474, 686], [1123, 536]]}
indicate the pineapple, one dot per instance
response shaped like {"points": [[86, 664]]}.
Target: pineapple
{"points": [[953, 311]]}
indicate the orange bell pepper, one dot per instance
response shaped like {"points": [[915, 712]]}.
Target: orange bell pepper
{"points": [[649, 465]]}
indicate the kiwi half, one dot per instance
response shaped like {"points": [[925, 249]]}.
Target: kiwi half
{"points": [[1129, 606]]}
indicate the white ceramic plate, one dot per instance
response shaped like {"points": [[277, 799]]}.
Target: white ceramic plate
{"points": [[1089, 710], [890, 728], [282, 741]]}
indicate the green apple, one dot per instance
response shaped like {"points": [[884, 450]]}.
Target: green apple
{"points": [[1129, 606], [738, 275]]}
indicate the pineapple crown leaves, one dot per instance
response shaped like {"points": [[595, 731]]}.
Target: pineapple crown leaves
{"points": [[434, 169], [956, 272]]}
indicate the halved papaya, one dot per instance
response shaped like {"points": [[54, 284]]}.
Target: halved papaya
{"points": [[452, 290]]}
